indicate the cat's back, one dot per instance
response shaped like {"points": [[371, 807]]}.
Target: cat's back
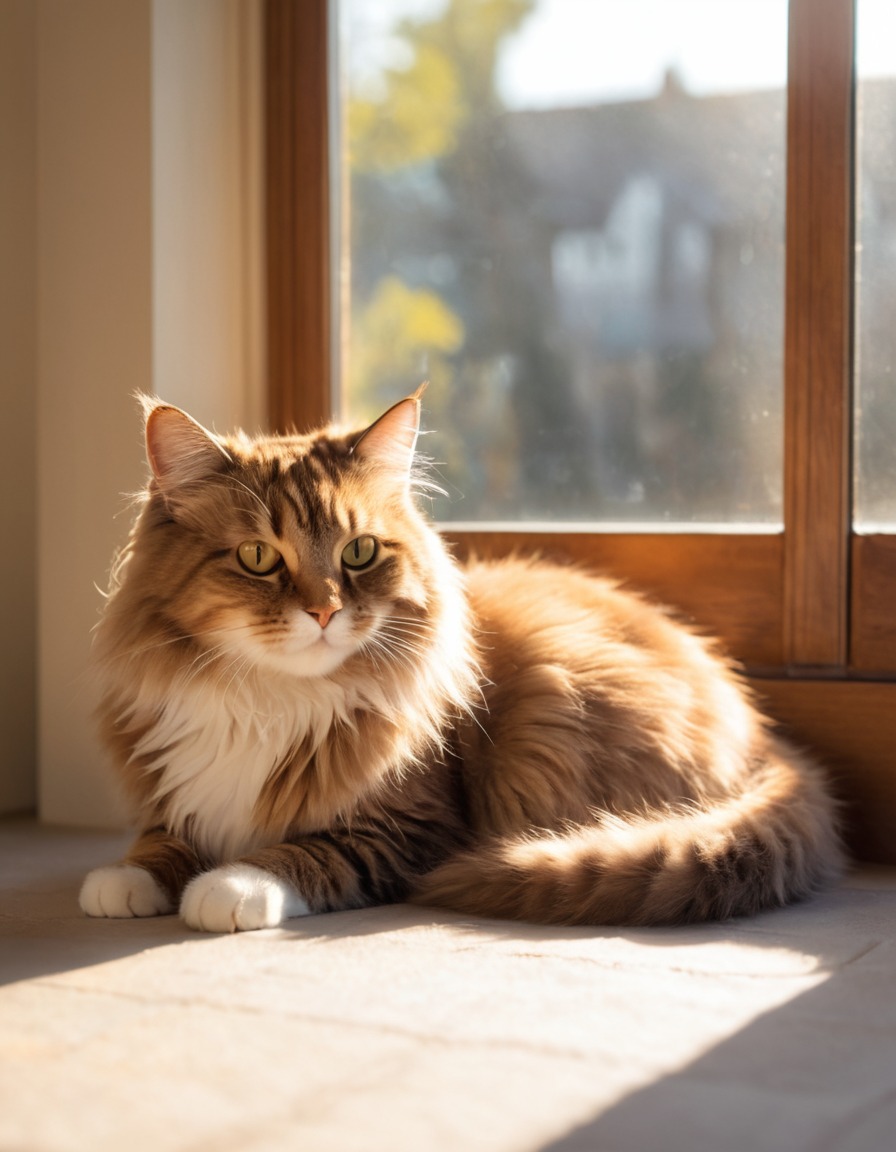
{"points": [[548, 611], [627, 693]]}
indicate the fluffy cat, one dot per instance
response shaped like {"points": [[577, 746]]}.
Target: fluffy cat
{"points": [[313, 708]]}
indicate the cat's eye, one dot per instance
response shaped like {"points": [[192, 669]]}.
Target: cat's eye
{"points": [[360, 553], [258, 558]]}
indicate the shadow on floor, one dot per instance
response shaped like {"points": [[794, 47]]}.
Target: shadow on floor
{"points": [[817, 1073]]}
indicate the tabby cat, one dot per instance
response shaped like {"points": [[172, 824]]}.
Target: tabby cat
{"points": [[312, 707]]}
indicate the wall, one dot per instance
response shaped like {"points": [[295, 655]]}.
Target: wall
{"points": [[147, 243], [18, 366], [95, 349], [207, 189]]}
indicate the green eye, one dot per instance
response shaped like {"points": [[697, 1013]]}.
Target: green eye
{"points": [[258, 558], [360, 553]]}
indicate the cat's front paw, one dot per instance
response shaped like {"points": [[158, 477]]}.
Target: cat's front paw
{"points": [[238, 898], [123, 890]]}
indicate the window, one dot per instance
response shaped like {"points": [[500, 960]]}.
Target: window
{"points": [[576, 233], [796, 591], [875, 493]]}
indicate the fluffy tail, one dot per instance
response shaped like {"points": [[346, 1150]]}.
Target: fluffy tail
{"points": [[774, 842]]}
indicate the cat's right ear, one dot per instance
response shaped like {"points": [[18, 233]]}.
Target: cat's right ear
{"points": [[179, 450], [390, 441]]}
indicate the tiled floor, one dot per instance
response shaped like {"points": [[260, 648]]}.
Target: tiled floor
{"points": [[400, 1029]]}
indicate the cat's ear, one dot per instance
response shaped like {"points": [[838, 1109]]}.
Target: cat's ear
{"points": [[390, 441], [180, 451]]}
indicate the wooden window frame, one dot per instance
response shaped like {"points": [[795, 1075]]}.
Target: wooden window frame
{"points": [[810, 611]]}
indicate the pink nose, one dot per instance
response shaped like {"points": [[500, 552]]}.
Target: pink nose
{"points": [[322, 615]]}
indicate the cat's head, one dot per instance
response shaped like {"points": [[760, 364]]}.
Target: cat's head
{"points": [[303, 554]]}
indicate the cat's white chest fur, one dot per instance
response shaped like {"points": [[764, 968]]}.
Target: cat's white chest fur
{"points": [[214, 749]]}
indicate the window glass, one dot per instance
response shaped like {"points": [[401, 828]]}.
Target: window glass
{"points": [[568, 216], [875, 423]]}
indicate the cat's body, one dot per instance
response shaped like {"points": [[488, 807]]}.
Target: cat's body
{"points": [[312, 708]]}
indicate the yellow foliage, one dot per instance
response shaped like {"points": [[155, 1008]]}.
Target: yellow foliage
{"points": [[401, 336], [417, 119]]}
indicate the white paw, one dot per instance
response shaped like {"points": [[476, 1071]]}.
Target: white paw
{"points": [[123, 890], [237, 898]]}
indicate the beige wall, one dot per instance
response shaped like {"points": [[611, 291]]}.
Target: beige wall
{"points": [[207, 150], [134, 212], [18, 368], [95, 348]]}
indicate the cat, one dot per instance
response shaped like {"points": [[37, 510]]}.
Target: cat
{"points": [[313, 707]]}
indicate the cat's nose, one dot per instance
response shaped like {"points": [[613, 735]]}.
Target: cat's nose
{"points": [[323, 615]]}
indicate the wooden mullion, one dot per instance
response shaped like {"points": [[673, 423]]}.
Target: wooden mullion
{"points": [[852, 727], [817, 472], [872, 643], [297, 199]]}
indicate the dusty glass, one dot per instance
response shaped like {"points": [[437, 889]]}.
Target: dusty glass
{"points": [[568, 216], [875, 414]]}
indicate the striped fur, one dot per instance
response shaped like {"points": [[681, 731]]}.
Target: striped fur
{"points": [[518, 739]]}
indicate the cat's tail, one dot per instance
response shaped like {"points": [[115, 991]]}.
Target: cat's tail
{"points": [[774, 842]]}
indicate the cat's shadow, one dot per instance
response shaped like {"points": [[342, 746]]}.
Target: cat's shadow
{"points": [[808, 935], [45, 934]]}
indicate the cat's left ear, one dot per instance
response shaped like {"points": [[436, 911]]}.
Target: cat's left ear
{"points": [[180, 451], [390, 441]]}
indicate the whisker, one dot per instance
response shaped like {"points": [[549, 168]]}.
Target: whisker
{"points": [[394, 653], [405, 644], [241, 669], [186, 637], [245, 487], [203, 660]]}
